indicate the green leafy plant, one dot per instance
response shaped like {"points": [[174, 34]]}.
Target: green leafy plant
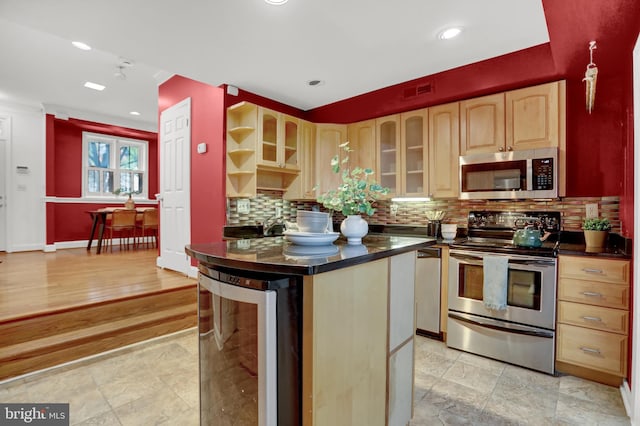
{"points": [[121, 191], [358, 191], [596, 224]]}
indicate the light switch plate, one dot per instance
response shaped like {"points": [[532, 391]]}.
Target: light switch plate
{"points": [[243, 206], [591, 210]]}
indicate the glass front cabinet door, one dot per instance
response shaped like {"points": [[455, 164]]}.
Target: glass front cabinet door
{"points": [[278, 142]]}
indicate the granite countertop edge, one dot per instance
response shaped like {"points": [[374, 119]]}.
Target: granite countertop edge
{"points": [[272, 259]]}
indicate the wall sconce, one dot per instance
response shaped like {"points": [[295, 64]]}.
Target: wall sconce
{"points": [[590, 78]]}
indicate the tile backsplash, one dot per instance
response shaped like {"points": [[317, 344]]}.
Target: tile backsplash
{"points": [[266, 204]]}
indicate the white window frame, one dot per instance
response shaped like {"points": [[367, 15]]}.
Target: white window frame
{"points": [[115, 142]]}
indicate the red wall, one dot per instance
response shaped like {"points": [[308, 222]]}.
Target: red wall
{"points": [[208, 200], [69, 221]]}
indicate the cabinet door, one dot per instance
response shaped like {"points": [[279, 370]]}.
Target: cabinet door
{"points": [[532, 117], [482, 124], [288, 146], [414, 135], [388, 153], [401, 385], [444, 180], [308, 160], [328, 139], [362, 139], [268, 128]]}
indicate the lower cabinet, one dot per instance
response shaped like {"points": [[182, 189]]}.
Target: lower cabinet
{"points": [[593, 318]]}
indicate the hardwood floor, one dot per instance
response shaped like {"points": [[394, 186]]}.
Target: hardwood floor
{"points": [[56, 307]]}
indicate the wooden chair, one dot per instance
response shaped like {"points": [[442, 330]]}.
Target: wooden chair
{"points": [[149, 223], [124, 222]]}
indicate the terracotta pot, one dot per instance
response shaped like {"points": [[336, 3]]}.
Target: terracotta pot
{"points": [[129, 204], [595, 238]]}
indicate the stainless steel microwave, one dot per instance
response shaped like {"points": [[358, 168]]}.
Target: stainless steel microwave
{"points": [[510, 175]]}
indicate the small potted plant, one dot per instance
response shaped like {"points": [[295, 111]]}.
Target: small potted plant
{"points": [[354, 197], [129, 204], [596, 231]]}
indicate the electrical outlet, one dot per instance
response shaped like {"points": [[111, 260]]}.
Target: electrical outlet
{"points": [[394, 209], [591, 210], [243, 206], [278, 211]]}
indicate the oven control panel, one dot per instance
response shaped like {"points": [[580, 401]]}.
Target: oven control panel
{"points": [[548, 221]]}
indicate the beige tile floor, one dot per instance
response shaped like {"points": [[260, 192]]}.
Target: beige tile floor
{"points": [[156, 383]]}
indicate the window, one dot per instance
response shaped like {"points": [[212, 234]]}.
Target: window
{"points": [[111, 163]]}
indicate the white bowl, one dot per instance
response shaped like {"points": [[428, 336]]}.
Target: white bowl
{"points": [[448, 235], [316, 223]]}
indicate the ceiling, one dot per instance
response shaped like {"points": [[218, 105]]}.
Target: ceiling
{"points": [[353, 46]]}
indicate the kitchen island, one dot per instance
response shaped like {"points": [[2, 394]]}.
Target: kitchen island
{"points": [[343, 354]]}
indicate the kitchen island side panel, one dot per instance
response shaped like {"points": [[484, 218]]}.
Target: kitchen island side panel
{"points": [[345, 346]]}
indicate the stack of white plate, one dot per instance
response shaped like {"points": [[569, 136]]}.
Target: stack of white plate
{"points": [[311, 238]]}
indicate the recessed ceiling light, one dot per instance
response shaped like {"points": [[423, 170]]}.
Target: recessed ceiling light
{"points": [[80, 45], [449, 33], [94, 86], [314, 83], [276, 2], [134, 113]]}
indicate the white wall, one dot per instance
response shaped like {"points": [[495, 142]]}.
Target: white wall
{"points": [[25, 206]]}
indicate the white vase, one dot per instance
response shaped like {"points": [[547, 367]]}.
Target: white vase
{"points": [[354, 228]]}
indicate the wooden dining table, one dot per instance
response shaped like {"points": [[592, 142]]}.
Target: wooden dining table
{"points": [[99, 220]]}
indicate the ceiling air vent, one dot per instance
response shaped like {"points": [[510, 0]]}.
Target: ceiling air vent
{"points": [[417, 90]]}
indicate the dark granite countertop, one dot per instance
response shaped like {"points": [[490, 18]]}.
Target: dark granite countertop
{"points": [[572, 243], [277, 255]]}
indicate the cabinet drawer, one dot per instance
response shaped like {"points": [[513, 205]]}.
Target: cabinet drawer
{"points": [[587, 268], [598, 350], [596, 317], [594, 293]]}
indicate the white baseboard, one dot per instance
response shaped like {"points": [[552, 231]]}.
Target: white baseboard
{"points": [[627, 400]]}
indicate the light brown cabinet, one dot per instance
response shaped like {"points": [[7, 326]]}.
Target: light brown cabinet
{"points": [[307, 179], [278, 143], [414, 164], [329, 137], [362, 140], [388, 153], [262, 150], [482, 125], [593, 318], [444, 151], [528, 118]]}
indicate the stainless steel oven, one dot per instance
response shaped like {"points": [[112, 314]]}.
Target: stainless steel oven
{"points": [[524, 332]]}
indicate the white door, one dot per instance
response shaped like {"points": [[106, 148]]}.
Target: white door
{"points": [[4, 168], [175, 184]]}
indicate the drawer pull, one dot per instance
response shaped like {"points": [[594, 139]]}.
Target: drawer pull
{"points": [[594, 319], [592, 294], [592, 271], [590, 350]]}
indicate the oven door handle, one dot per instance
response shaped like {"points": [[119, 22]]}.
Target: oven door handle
{"points": [[499, 325]]}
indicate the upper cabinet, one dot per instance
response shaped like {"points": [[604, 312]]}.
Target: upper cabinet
{"points": [[535, 116], [279, 140], [362, 140], [528, 118], [482, 124], [388, 153], [414, 137], [262, 151], [308, 180], [328, 140], [444, 151]]}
